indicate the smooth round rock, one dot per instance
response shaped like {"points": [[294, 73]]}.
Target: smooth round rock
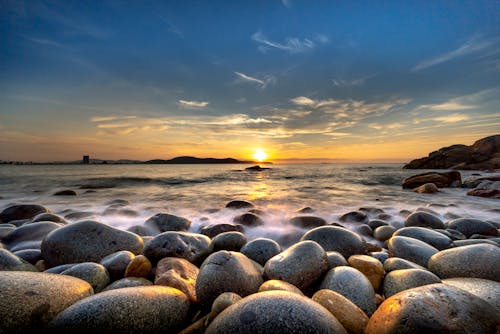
{"points": [[335, 259], [382, 256], [404, 279], [353, 285], [225, 271], [275, 312], [470, 226], [397, 263], [261, 250], [374, 223], [435, 308], [248, 219], [29, 255], [237, 204], [143, 231], [140, 266], [128, 282], [144, 309], [429, 236], [43, 217], [117, 263], [29, 301], [214, 229], [23, 211], [163, 222], [87, 241], [12, 262], [354, 217], [193, 247], [372, 268], [93, 273], [427, 188], [347, 313], [482, 288], [307, 221], [65, 192], [364, 229], [478, 261], [274, 284], [411, 249], [178, 273], [384, 232], [301, 265], [333, 238], [424, 219], [29, 236], [6, 229], [231, 241]]}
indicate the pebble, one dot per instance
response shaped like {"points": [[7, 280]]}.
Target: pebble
{"points": [[261, 250], [12, 262], [335, 259], [354, 217], [374, 223], [128, 282], [383, 233], [117, 263], [429, 236], [140, 266], [237, 204], [48, 217], [193, 247], [424, 219], [66, 192], [396, 263], [29, 236], [178, 273], [339, 239], [482, 288], [93, 273], [163, 222], [307, 221], [248, 219], [6, 229], [411, 249], [404, 279], [29, 255], [231, 241], [372, 268], [213, 229], [470, 226], [23, 211], [427, 188], [274, 284]]}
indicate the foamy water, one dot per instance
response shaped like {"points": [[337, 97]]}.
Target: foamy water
{"points": [[189, 190]]}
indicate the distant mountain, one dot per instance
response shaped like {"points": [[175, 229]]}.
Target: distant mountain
{"points": [[194, 160]]}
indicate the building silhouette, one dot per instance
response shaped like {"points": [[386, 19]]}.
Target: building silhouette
{"points": [[86, 159]]}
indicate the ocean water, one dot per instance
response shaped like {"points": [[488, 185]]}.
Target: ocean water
{"points": [[191, 190]]}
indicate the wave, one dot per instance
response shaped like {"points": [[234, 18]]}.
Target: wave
{"points": [[125, 181]]}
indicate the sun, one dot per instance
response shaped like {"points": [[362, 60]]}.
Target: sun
{"points": [[260, 155]]}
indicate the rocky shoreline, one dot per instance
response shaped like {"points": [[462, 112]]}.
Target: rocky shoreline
{"points": [[430, 273]]}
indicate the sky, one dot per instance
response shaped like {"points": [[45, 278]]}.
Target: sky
{"points": [[315, 80]]}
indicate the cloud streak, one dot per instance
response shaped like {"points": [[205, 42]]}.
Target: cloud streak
{"points": [[193, 104], [262, 83], [291, 44]]}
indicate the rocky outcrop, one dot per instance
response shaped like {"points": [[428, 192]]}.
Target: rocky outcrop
{"points": [[440, 180], [484, 154]]}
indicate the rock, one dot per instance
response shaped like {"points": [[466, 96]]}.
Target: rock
{"points": [[248, 219], [274, 284], [140, 266], [426, 188], [118, 202], [354, 217], [6, 229], [353, 285], [275, 312], [29, 301], [178, 273], [372, 268], [143, 231], [93, 273], [222, 302], [467, 261], [333, 238], [59, 269], [405, 279], [118, 210], [116, 264], [335, 259], [23, 211], [231, 241], [29, 236], [301, 265], [482, 288], [453, 234], [396, 263], [225, 271], [87, 241], [163, 222], [29, 255], [144, 309], [364, 229], [190, 246], [128, 282], [440, 180], [307, 221], [261, 250], [470, 226], [256, 168], [11, 262], [468, 242], [352, 318], [239, 205], [306, 209], [436, 308], [66, 192], [381, 256], [411, 249], [42, 217], [424, 219], [487, 193], [384, 233], [213, 229], [429, 236]]}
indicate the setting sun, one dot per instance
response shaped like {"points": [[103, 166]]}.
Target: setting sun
{"points": [[260, 155]]}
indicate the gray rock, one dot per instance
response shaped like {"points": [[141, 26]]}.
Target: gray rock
{"points": [[470, 226], [435, 308], [248, 219], [429, 236], [467, 261], [426, 188], [23, 211], [117, 263], [239, 205], [333, 238], [143, 231], [275, 284], [301, 265], [87, 241], [405, 279], [43, 217], [335, 259], [482, 288], [396, 263], [178, 273], [66, 192], [411, 249], [128, 282], [93, 273], [468, 242], [454, 234], [29, 255], [261, 249], [6, 229], [225, 271], [353, 285], [307, 221], [354, 217], [275, 312], [144, 309], [384, 233], [424, 219], [213, 229], [231, 241], [29, 301], [29, 236], [11, 262], [163, 222], [59, 269], [374, 223], [190, 246], [381, 256], [364, 229]]}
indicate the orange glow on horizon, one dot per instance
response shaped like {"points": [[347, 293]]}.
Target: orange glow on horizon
{"points": [[260, 155]]}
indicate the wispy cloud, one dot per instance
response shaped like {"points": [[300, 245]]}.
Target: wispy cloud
{"points": [[287, 3], [262, 83], [44, 41], [291, 44], [97, 119], [473, 45], [339, 82], [454, 118], [468, 101], [193, 104], [172, 28]]}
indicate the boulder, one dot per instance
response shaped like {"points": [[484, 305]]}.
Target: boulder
{"points": [[396, 263], [231, 241], [128, 282], [383, 233], [354, 217], [140, 266], [482, 288], [212, 230], [249, 219], [275, 284], [237, 204], [163, 222], [429, 236], [11, 262], [22, 211], [424, 219], [405, 279], [193, 247], [261, 249], [178, 273], [440, 180], [426, 188], [307, 221], [339, 239], [29, 236], [66, 192], [372, 268], [93, 273], [117, 263], [470, 226], [411, 249]]}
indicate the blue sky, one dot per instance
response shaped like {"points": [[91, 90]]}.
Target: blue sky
{"points": [[358, 80]]}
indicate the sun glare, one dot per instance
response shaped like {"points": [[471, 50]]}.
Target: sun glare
{"points": [[260, 155]]}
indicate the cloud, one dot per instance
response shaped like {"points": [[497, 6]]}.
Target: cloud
{"points": [[44, 41], [193, 104], [303, 101], [473, 45], [352, 82], [291, 44], [172, 28], [450, 105], [262, 83], [97, 119], [454, 118], [469, 101], [287, 3]]}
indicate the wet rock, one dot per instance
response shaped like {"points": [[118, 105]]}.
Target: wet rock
{"points": [[30, 301], [29, 255], [374, 223], [261, 250], [436, 308], [353, 285], [239, 205], [231, 241], [163, 222], [454, 234], [333, 238], [470, 226], [335, 259], [384, 233], [370, 267], [274, 284], [116, 263], [23, 211], [301, 265], [142, 231], [79, 215], [119, 211], [275, 312], [248, 219], [225, 271], [48, 217], [431, 237], [59, 269], [371, 210], [307, 221], [468, 242], [93, 273], [426, 188], [66, 192], [467, 261], [11, 262], [405, 279], [118, 202], [352, 318], [87, 241], [381, 256], [364, 229], [140, 266], [424, 219], [213, 229], [128, 282], [190, 246], [396, 263], [411, 249], [144, 309], [6, 229], [178, 273], [306, 209], [441, 180], [29, 236], [482, 288], [354, 217]]}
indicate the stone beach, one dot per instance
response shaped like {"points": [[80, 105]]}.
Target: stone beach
{"points": [[343, 276]]}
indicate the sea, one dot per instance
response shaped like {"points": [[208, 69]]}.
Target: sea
{"points": [[200, 193]]}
